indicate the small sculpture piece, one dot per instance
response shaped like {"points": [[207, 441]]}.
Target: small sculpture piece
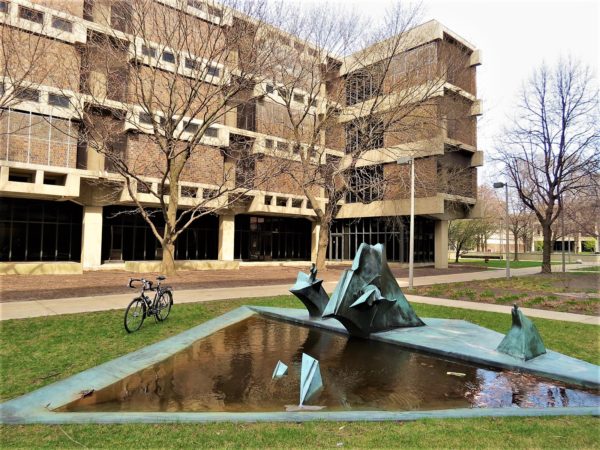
{"points": [[280, 370], [310, 379], [367, 298], [523, 340], [310, 292]]}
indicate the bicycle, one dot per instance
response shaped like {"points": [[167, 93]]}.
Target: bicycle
{"points": [[142, 307]]}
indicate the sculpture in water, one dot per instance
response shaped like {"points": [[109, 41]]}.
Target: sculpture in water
{"points": [[523, 340], [367, 299], [280, 370], [310, 379], [310, 292]]}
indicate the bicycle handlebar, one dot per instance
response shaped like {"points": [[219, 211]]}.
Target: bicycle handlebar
{"points": [[146, 284]]}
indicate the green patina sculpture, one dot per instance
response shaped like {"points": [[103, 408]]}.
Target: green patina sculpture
{"points": [[310, 292], [523, 340], [367, 298], [280, 371], [311, 382]]}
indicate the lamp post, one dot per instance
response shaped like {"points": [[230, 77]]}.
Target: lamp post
{"points": [[505, 186], [411, 240]]}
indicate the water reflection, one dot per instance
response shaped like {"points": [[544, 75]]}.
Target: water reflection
{"points": [[231, 371]]}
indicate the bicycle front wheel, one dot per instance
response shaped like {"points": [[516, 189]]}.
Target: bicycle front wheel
{"points": [[164, 304], [135, 315]]}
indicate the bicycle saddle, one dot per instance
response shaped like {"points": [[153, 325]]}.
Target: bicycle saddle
{"points": [[161, 278]]}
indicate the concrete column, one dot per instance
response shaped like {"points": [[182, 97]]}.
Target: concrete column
{"points": [[226, 237], [441, 244], [314, 241], [91, 237]]}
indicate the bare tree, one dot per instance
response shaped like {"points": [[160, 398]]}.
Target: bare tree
{"points": [[551, 148], [157, 86], [379, 102]]}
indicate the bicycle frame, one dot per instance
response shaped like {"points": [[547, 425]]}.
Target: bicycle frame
{"points": [[147, 286]]}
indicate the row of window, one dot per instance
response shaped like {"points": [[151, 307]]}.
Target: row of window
{"points": [[35, 16], [283, 92], [205, 7], [190, 63], [34, 95], [188, 127]]}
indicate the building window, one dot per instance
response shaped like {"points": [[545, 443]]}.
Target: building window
{"points": [[88, 10], [214, 11], [246, 116], [367, 184], [268, 143], [189, 191], [146, 118], [120, 16], [3, 6], [148, 51], [360, 86], [270, 89], [271, 238], [34, 230], [62, 101], [299, 98], [364, 135], [28, 95], [347, 235], [283, 146], [193, 64], [245, 171], [212, 132], [190, 127], [31, 14], [128, 237], [213, 71], [62, 24], [168, 57]]}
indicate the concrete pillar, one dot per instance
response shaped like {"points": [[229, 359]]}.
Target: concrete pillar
{"points": [[441, 244], [91, 237], [226, 237], [314, 241]]}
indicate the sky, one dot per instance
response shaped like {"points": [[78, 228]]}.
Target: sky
{"points": [[515, 37]]}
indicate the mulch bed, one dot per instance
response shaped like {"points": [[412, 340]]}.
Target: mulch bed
{"points": [[43, 287]]}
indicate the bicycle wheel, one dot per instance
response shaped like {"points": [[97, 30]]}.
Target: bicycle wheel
{"points": [[135, 315], [163, 306]]}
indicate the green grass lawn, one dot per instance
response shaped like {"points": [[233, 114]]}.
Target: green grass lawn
{"points": [[541, 291], [499, 263], [39, 351]]}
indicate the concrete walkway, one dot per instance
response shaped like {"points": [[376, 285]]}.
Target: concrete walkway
{"points": [[37, 308]]}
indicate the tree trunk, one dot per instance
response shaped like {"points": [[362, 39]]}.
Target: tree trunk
{"points": [[168, 258], [322, 246], [516, 244], [547, 249], [458, 247]]}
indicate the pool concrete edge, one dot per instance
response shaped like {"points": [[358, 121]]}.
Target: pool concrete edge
{"points": [[36, 407]]}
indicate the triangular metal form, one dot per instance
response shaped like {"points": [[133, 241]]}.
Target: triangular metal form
{"points": [[310, 378], [280, 370]]}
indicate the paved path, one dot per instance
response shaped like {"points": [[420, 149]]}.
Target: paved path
{"points": [[37, 308]]}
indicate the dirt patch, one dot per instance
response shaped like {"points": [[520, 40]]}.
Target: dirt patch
{"points": [[41, 287]]}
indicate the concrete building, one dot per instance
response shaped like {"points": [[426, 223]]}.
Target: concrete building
{"points": [[55, 215]]}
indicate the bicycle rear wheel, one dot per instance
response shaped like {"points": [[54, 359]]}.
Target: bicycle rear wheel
{"points": [[163, 306], [135, 315]]}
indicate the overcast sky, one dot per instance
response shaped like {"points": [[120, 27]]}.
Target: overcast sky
{"points": [[515, 36]]}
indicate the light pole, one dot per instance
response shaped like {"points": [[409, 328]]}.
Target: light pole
{"points": [[411, 240], [505, 186]]}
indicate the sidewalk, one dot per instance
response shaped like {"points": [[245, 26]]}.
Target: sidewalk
{"points": [[37, 308]]}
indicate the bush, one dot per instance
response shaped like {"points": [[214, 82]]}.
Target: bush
{"points": [[539, 246], [588, 246]]}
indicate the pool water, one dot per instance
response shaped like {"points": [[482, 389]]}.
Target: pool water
{"points": [[231, 370]]}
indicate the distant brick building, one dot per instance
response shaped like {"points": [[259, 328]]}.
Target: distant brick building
{"points": [[52, 209]]}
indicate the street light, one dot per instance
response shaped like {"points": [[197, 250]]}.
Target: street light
{"points": [[411, 240], [505, 186]]}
